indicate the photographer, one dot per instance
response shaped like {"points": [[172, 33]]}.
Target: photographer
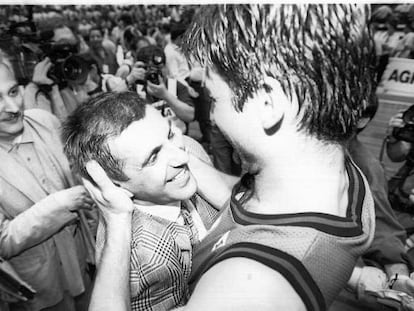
{"points": [[399, 148], [170, 96], [43, 93], [105, 58], [40, 235]]}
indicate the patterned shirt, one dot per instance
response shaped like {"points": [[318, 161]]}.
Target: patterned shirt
{"points": [[161, 255], [162, 250]]}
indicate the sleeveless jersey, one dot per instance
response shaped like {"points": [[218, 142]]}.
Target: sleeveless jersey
{"points": [[315, 252]]}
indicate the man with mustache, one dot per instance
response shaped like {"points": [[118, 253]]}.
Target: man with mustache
{"points": [[290, 82], [39, 201]]}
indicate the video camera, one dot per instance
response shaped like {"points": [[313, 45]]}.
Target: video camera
{"points": [[406, 133], [27, 47], [68, 66]]}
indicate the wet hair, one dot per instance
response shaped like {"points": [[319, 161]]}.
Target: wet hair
{"points": [[86, 131], [321, 54]]}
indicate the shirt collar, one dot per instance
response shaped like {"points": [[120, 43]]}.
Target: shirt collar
{"points": [[25, 137], [167, 212]]}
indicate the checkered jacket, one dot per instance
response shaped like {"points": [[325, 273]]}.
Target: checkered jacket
{"points": [[161, 258], [161, 251]]}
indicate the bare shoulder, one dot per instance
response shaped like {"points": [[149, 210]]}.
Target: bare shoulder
{"points": [[244, 284]]}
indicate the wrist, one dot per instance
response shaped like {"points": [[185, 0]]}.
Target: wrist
{"points": [[117, 221], [167, 96], [397, 280], [129, 80]]}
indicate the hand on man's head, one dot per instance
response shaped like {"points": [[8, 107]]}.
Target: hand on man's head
{"points": [[111, 200]]}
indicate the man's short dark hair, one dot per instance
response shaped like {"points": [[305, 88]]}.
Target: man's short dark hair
{"points": [[321, 54], [87, 130]]}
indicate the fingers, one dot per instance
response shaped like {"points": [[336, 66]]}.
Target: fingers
{"points": [[93, 191], [99, 176], [139, 64]]}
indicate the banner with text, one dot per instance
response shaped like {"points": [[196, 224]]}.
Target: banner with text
{"points": [[398, 77]]}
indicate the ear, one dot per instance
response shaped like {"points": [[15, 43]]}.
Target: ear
{"points": [[273, 103]]}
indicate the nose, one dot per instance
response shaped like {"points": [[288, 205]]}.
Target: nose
{"points": [[11, 105], [177, 154]]}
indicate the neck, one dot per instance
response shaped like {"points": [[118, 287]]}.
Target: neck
{"points": [[148, 203], [307, 176]]}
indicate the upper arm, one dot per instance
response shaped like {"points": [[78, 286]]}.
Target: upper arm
{"points": [[244, 284]]}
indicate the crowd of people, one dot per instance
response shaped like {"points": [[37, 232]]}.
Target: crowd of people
{"points": [[162, 157], [393, 32]]}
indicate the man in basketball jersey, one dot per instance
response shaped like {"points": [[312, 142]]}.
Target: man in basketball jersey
{"points": [[289, 84]]}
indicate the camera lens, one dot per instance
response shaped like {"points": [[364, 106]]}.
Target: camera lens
{"points": [[152, 76], [75, 69]]}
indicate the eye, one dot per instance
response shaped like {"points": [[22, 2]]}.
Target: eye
{"points": [[14, 91], [153, 158]]}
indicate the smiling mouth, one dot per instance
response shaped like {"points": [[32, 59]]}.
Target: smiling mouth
{"points": [[182, 175]]}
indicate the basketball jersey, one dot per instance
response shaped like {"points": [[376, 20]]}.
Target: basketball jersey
{"points": [[315, 252]]}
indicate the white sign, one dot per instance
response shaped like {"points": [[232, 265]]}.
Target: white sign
{"points": [[398, 77]]}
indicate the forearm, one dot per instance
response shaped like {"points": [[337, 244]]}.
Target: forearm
{"points": [[58, 105], [184, 111], [30, 92], [111, 290], [31, 227]]}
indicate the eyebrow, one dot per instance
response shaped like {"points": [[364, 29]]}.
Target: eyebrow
{"points": [[156, 149]]}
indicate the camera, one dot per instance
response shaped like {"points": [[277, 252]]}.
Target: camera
{"points": [[67, 66], [152, 75], [406, 133], [27, 47], [153, 64]]}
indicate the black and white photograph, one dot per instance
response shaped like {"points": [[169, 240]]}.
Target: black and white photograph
{"points": [[195, 156]]}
